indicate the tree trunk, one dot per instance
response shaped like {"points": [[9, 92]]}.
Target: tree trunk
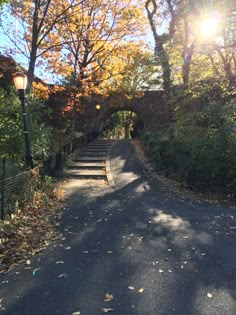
{"points": [[188, 55], [31, 68], [162, 54], [34, 47], [127, 131], [159, 48]]}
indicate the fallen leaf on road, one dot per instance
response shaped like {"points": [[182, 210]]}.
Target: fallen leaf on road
{"points": [[109, 252], [62, 275], [35, 270], [28, 262], [85, 251], [106, 310], [76, 313], [161, 271], [60, 262], [131, 288], [108, 297], [209, 295], [141, 290]]}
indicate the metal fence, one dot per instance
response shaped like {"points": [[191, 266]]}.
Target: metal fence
{"points": [[53, 165], [15, 191]]}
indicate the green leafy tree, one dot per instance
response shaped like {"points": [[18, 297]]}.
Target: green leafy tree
{"points": [[119, 125], [12, 144]]}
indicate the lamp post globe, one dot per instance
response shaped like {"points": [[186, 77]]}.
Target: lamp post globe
{"points": [[95, 131], [20, 81], [98, 107]]}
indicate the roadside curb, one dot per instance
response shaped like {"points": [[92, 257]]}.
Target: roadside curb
{"points": [[110, 180]]}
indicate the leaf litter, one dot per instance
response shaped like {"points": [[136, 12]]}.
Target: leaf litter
{"points": [[62, 275], [28, 232], [107, 310], [131, 288], [108, 297]]}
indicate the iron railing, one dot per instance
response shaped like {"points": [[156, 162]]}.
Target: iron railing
{"points": [[18, 190]]}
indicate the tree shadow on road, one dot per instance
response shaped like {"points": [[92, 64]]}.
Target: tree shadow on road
{"points": [[133, 236]]}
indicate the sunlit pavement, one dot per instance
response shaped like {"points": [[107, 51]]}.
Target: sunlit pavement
{"points": [[151, 252]]}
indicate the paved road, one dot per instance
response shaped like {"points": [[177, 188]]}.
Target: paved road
{"points": [[179, 256]]}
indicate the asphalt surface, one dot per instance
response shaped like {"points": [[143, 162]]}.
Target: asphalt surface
{"points": [[153, 252]]}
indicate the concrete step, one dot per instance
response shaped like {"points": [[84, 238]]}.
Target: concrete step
{"points": [[103, 141], [105, 145], [85, 164], [95, 168], [85, 173], [86, 153], [90, 162], [95, 149], [88, 159], [98, 146]]}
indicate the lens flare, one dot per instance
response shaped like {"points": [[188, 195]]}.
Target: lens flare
{"points": [[209, 26]]}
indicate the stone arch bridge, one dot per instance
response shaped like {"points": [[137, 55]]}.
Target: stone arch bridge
{"points": [[150, 107]]}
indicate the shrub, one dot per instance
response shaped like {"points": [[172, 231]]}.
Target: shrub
{"points": [[199, 146]]}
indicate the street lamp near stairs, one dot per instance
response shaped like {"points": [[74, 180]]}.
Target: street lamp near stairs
{"points": [[20, 81], [97, 107]]}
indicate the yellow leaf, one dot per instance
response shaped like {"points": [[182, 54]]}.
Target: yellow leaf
{"points": [[108, 297], [106, 310], [141, 290]]}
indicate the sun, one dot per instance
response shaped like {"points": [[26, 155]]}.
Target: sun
{"points": [[209, 26]]}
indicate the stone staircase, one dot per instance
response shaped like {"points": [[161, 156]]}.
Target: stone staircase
{"points": [[91, 162]]}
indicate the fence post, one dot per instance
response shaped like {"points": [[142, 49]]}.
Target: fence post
{"points": [[2, 187]]}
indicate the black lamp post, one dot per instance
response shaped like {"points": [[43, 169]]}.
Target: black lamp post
{"points": [[98, 107], [20, 81], [95, 132]]}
